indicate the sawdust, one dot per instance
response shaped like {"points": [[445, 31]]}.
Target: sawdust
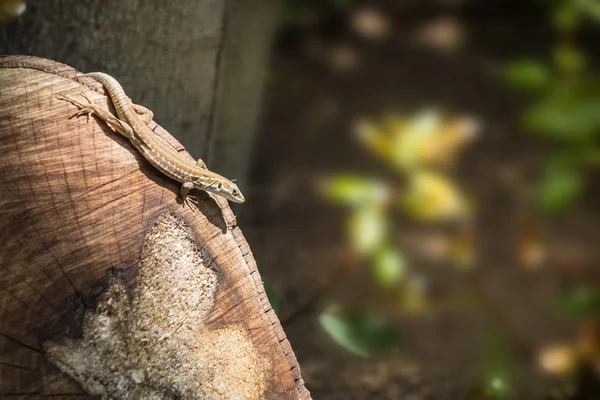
{"points": [[156, 346]]}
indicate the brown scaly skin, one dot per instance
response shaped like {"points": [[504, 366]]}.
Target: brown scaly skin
{"points": [[132, 123]]}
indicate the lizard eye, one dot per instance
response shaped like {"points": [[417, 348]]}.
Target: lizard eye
{"points": [[235, 191]]}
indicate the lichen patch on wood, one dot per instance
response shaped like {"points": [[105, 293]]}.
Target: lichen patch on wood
{"points": [[157, 345]]}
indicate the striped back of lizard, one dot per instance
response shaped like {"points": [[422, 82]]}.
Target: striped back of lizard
{"points": [[155, 149]]}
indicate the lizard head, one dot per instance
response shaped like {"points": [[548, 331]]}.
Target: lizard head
{"points": [[225, 188]]}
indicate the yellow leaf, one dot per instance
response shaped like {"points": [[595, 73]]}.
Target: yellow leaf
{"points": [[425, 140], [433, 197], [366, 229], [375, 139], [388, 267], [355, 190], [11, 9]]}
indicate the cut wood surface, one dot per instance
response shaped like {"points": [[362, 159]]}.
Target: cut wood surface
{"points": [[109, 286]]}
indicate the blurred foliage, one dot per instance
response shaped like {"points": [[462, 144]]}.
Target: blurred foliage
{"points": [[497, 367], [565, 111], [363, 334], [431, 196], [11, 9], [420, 150], [560, 185], [581, 302], [388, 266], [530, 75], [565, 107], [589, 7], [497, 370], [426, 140], [367, 229], [569, 112], [354, 190]]}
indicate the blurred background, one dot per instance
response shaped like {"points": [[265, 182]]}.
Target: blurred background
{"points": [[421, 195]]}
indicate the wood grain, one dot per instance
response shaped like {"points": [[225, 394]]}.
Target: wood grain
{"points": [[76, 201]]}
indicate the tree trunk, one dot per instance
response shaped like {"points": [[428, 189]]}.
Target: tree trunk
{"points": [[109, 286]]}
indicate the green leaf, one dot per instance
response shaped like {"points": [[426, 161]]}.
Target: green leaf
{"points": [[560, 186], [580, 153], [367, 228], [271, 296], [529, 75], [355, 190], [565, 16], [569, 59], [497, 366], [590, 8], [581, 302], [359, 333], [570, 112], [388, 267]]}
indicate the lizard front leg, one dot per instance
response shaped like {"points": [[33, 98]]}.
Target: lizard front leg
{"points": [[113, 122], [184, 192]]}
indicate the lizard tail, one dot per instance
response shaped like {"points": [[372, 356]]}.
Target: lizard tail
{"points": [[115, 91]]}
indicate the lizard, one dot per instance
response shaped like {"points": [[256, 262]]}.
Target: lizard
{"points": [[132, 123]]}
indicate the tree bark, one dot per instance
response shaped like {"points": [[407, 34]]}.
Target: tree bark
{"points": [[109, 286]]}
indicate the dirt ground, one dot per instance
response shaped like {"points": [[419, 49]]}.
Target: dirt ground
{"points": [[305, 133]]}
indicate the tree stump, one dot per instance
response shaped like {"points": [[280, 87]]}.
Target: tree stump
{"points": [[109, 286]]}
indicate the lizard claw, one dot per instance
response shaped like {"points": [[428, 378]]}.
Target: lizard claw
{"points": [[187, 201], [184, 191], [84, 111]]}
